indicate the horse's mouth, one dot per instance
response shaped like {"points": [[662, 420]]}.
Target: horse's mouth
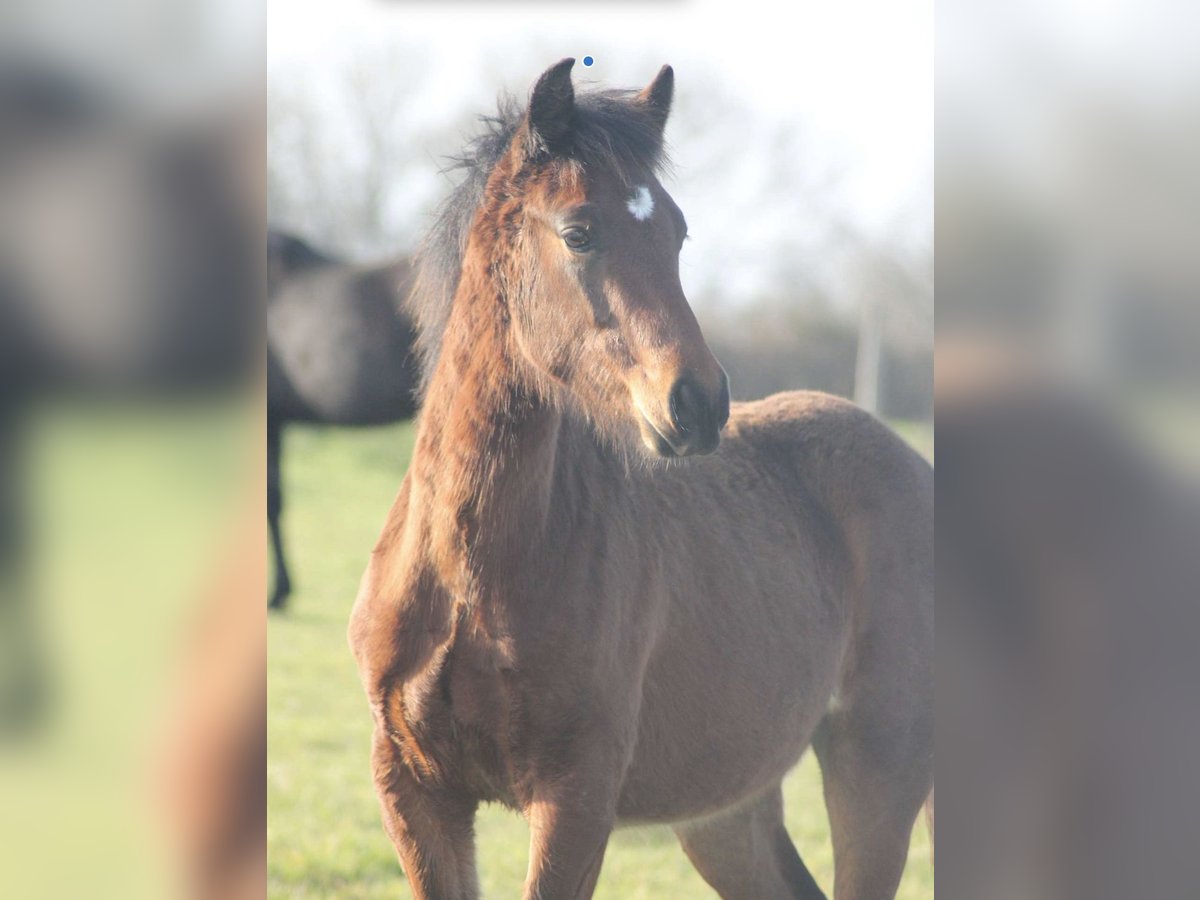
{"points": [[671, 443], [655, 441]]}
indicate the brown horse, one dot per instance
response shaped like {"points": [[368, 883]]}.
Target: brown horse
{"points": [[558, 619]]}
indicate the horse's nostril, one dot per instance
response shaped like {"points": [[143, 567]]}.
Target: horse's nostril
{"points": [[685, 405], [723, 401]]}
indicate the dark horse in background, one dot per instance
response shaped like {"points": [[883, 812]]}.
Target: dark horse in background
{"points": [[339, 352]]}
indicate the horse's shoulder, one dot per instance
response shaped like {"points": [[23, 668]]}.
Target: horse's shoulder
{"points": [[375, 580], [401, 612], [396, 518]]}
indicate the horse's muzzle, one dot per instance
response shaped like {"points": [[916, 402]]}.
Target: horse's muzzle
{"points": [[697, 417]]}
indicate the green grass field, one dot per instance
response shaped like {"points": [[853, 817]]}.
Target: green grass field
{"points": [[324, 834]]}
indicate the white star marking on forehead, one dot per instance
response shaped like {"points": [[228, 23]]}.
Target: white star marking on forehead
{"points": [[641, 204]]}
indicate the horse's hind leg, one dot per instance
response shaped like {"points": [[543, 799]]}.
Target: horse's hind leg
{"points": [[746, 853], [877, 771]]}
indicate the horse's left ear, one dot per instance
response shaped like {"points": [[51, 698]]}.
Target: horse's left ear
{"points": [[551, 108], [656, 96]]}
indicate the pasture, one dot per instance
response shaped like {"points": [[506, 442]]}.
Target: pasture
{"points": [[324, 833]]}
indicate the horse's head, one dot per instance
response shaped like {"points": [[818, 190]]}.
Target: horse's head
{"points": [[598, 308]]}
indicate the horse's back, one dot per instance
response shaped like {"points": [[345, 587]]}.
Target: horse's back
{"points": [[836, 441], [344, 345], [864, 476], [876, 490]]}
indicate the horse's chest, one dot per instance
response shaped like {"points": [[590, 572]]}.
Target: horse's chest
{"points": [[475, 684]]}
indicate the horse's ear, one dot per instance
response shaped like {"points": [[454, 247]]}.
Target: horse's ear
{"points": [[551, 109], [656, 96]]}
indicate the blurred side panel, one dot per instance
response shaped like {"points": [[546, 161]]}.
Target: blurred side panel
{"points": [[131, 320], [1068, 430]]}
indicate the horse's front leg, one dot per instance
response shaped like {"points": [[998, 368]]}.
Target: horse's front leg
{"points": [[571, 814], [567, 842], [431, 825]]}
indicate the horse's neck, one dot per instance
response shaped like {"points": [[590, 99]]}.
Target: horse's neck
{"points": [[483, 468]]}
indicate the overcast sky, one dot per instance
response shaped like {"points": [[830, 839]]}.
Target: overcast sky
{"points": [[802, 134], [856, 74]]}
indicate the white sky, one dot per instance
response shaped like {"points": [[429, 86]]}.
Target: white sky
{"points": [[857, 74]]}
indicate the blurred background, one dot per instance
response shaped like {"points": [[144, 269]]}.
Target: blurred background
{"points": [[1068, 529], [132, 216]]}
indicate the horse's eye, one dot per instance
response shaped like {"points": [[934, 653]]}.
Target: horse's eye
{"points": [[577, 238]]}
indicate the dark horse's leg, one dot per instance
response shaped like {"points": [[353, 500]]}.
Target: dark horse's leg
{"points": [[283, 583], [23, 669], [746, 853]]}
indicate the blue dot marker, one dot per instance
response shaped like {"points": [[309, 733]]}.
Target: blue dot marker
{"points": [[587, 61]]}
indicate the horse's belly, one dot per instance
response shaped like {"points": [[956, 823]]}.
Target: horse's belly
{"points": [[718, 771], [722, 722]]}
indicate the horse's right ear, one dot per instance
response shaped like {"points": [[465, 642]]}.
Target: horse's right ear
{"points": [[551, 110], [656, 96]]}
